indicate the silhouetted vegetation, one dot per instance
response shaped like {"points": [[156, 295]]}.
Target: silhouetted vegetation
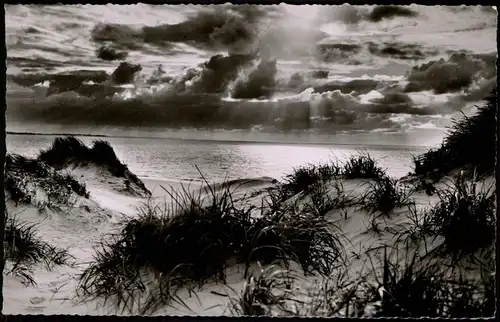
{"points": [[23, 249], [195, 241], [71, 151], [469, 144], [362, 167], [304, 177], [417, 287], [465, 210], [384, 195], [403, 283], [267, 288]]}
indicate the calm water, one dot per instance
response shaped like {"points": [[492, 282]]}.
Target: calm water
{"points": [[177, 159]]}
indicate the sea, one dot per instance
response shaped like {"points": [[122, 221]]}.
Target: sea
{"points": [[216, 160]]}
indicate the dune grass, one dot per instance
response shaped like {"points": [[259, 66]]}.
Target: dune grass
{"points": [[192, 241], [25, 177], [416, 286], [465, 210], [469, 143], [462, 222], [417, 229], [403, 282], [72, 151], [311, 177], [304, 177], [327, 197], [267, 290], [385, 195], [24, 249], [362, 166], [424, 279]]}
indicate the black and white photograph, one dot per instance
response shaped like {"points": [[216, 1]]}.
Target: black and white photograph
{"points": [[250, 160]]}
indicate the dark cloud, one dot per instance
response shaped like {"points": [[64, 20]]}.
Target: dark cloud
{"points": [[337, 52], [483, 89], [296, 82], [396, 102], [110, 53], [352, 15], [332, 111], [456, 73], [125, 73], [260, 82], [241, 29], [380, 13], [78, 80], [400, 50], [61, 82], [122, 36], [231, 28], [320, 74], [219, 71]]}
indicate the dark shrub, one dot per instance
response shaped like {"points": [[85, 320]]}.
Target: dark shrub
{"points": [[421, 288], [17, 190], [304, 177], [64, 151], [320, 74], [385, 195], [79, 188], [102, 153], [463, 211], [362, 167], [470, 143], [69, 150], [109, 53]]}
